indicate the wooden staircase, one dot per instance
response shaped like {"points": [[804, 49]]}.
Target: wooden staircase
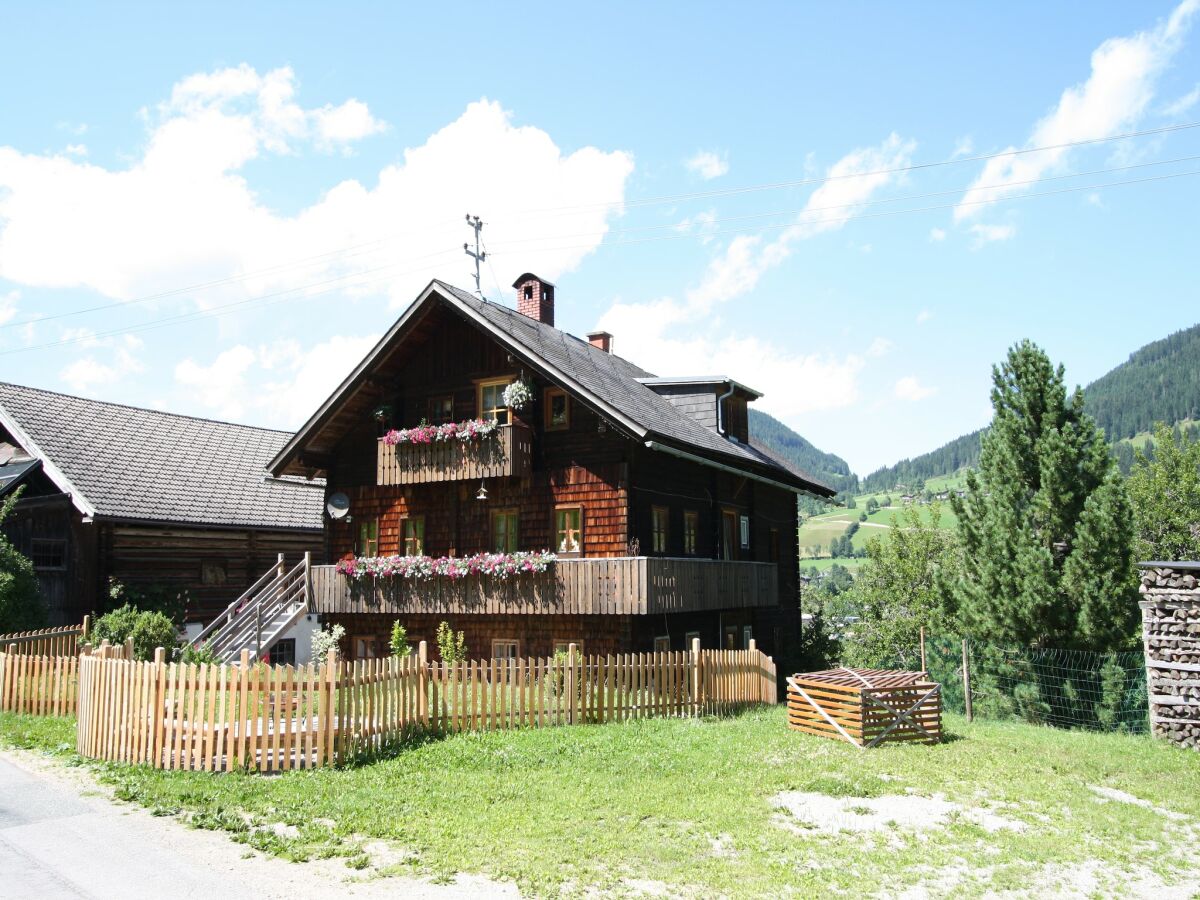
{"points": [[260, 616]]}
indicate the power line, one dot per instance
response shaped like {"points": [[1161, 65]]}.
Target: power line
{"points": [[774, 185], [805, 210]]}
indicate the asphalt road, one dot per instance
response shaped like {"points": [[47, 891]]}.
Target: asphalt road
{"points": [[59, 838]]}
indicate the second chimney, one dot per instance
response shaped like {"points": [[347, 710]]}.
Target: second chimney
{"points": [[535, 298], [601, 340]]}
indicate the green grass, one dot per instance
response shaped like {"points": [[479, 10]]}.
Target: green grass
{"points": [[825, 528], [686, 804]]}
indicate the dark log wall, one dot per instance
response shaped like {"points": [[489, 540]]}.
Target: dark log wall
{"points": [[68, 593], [214, 566]]}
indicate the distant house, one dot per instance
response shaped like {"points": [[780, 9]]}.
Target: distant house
{"points": [[669, 522], [907, 498], [147, 497]]}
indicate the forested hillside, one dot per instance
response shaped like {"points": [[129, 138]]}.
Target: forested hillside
{"points": [[945, 460], [785, 443], [1158, 383]]}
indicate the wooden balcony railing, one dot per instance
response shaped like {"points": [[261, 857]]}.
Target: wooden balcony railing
{"points": [[508, 453], [628, 585]]}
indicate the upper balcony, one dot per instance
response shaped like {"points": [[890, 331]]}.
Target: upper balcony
{"points": [[627, 585], [509, 452]]}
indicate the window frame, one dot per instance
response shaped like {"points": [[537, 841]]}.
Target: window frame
{"points": [[565, 645], [214, 565], [747, 636], [368, 543], [548, 423], [419, 522], [689, 637], [57, 550], [660, 537], [441, 416], [729, 534], [277, 658], [370, 641], [743, 532], [480, 386], [564, 507], [515, 643], [662, 643], [691, 531], [507, 512]]}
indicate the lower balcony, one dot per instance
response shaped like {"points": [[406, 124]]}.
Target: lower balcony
{"points": [[632, 585]]}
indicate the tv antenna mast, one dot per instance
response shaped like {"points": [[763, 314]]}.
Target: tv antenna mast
{"points": [[478, 255]]}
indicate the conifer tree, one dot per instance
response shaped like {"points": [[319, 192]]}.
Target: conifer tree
{"points": [[1045, 527]]}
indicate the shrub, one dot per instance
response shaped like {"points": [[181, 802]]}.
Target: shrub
{"points": [[198, 654], [324, 641], [399, 640], [452, 645], [147, 628], [169, 599], [20, 599]]}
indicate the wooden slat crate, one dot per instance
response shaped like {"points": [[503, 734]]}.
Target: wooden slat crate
{"points": [[866, 707]]}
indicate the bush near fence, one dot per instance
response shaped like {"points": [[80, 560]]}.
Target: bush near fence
{"points": [[274, 718], [1063, 688]]}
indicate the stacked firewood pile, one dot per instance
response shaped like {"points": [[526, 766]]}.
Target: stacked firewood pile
{"points": [[1171, 635]]}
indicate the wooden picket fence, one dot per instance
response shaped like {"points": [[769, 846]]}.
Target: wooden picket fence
{"points": [[64, 641], [38, 685], [275, 718]]}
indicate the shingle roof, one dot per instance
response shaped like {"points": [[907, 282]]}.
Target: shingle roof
{"points": [[141, 464], [615, 381]]}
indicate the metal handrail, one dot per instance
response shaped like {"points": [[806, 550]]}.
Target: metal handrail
{"points": [[280, 592], [234, 607]]}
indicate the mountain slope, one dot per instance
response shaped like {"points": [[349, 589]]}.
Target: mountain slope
{"points": [[1158, 383], [781, 440]]}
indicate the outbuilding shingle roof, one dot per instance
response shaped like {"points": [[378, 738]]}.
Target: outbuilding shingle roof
{"points": [[123, 462]]}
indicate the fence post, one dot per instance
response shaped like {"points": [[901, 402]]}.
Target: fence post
{"points": [[697, 677], [334, 739], [966, 671], [423, 683], [279, 566], [86, 629], [572, 656], [128, 652]]}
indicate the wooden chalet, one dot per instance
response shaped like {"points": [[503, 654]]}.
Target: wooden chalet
{"points": [[147, 497], [668, 520]]}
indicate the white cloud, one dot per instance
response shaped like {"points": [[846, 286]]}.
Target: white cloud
{"points": [[910, 388], [88, 372], [986, 234], [1183, 104], [183, 212], [964, 146], [1114, 97], [879, 347], [924, 316], [8, 306], [937, 234], [707, 164], [76, 150], [671, 335], [288, 380]]}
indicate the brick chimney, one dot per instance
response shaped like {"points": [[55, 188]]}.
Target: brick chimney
{"points": [[535, 298], [601, 340]]}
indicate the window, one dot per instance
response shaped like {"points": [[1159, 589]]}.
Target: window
{"points": [[48, 554], [691, 527], [557, 410], [213, 571], [365, 646], [568, 530], [368, 538], [731, 634], [441, 410], [412, 533], [662, 644], [282, 652], [729, 534], [660, 518], [565, 646], [504, 531], [747, 636], [491, 400], [744, 531], [690, 638], [506, 648]]}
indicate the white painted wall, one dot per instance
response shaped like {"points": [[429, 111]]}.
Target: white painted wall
{"points": [[302, 632]]}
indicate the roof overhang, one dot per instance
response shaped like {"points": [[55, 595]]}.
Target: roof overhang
{"points": [[734, 469], [53, 472], [700, 381], [433, 294]]}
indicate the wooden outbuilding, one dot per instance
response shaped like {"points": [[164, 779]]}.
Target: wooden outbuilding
{"points": [[866, 707]]}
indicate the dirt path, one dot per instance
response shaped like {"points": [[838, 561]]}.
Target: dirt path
{"points": [[61, 837]]}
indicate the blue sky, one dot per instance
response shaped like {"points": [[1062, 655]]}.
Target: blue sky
{"points": [[246, 197]]}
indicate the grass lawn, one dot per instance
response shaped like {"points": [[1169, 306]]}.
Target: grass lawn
{"points": [[689, 807]]}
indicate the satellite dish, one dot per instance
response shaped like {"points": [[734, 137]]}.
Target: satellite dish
{"points": [[338, 506]]}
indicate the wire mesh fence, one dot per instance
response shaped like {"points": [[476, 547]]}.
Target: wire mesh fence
{"points": [[1064, 688]]}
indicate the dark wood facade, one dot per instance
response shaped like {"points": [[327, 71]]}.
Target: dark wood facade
{"points": [[633, 501]]}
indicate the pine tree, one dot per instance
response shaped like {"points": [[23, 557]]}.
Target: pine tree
{"points": [[1045, 526], [1165, 491]]}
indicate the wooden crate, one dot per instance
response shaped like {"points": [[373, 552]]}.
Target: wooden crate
{"points": [[866, 707]]}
